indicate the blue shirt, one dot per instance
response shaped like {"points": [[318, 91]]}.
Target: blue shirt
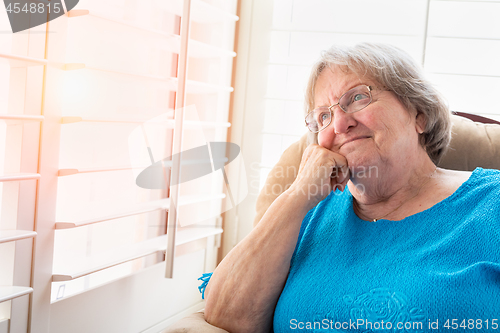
{"points": [[430, 272]]}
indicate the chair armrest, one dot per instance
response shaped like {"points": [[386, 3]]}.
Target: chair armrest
{"points": [[472, 145]]}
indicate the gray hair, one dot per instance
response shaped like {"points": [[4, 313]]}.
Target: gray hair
{"points": [[396, 71]]}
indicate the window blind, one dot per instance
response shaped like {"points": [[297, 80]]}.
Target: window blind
{"points": [[108, 74], [21, 67]]}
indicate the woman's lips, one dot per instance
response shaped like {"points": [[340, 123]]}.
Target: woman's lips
{"points": [[353, 139]]}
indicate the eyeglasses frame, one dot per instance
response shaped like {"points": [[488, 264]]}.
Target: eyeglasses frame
{"points": [[370, 88]]}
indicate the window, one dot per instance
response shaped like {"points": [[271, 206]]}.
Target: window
{"points": [[91, 106], [21, 80]]}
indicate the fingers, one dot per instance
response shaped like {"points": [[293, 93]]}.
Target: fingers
{"points": [[306, 156], [321, 156], [325, 163], [343, 174], [341, 182], [321, 171]]}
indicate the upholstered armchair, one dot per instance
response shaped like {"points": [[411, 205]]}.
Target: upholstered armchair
{"points": [[473, 144]]}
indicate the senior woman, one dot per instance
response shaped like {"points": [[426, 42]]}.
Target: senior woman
{"points": [[371, 235]]}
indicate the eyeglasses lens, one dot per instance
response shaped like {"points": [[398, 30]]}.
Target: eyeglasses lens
{"points": [[352, 101]]}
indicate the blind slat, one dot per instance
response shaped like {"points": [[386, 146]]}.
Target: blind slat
{"points": [[85, 12], [14, 177], [136, 251], [10, 292], [70, 172], [21, 61], [162, 204], [169, 123], [201, 11], [14, 235], [12, 119]]}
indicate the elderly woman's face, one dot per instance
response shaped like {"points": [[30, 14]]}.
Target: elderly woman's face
{"points": [[383, 133]]}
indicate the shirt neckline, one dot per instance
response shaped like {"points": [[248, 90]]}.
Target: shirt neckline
{"points": [[457, 192]]}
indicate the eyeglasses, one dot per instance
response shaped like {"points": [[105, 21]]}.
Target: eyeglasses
{"points": [[352, 101]]}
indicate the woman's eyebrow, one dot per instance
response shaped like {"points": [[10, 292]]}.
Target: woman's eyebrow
{"points": [[349, 87], [352, 86]]}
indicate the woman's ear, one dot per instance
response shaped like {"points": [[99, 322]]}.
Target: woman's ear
{"points": [[420, 122]]}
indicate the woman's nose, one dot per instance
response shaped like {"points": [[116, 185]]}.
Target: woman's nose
{"points": [[342, 121]]}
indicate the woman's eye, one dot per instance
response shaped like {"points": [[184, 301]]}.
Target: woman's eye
{"points": [[359, 97], [322, 117]]}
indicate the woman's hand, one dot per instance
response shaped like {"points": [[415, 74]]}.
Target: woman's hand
{"points": [[321, 171]]}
